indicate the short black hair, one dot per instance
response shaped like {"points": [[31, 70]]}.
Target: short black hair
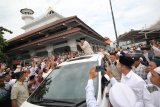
{"points": [[127, 61], [82, 38], [19, 74], [31, 77], [77, 40], [136, 58], [113, 53], [6, 74]]}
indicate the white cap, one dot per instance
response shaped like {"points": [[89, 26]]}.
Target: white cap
{"points": [[121, 95], [119, 53], [141, 58], [149, 75], [138, 49], [19, 66], [18, 69]]}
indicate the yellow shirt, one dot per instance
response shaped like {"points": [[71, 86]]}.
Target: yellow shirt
{"points": [[19, 93]]}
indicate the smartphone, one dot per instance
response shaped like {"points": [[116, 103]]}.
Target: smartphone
{"points": [[100, 68]]}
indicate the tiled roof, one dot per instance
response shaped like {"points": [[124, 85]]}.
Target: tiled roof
{"points": [[52, 37], [40, 28]]}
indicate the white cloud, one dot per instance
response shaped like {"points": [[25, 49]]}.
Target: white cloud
{"points": [[129, 14]]}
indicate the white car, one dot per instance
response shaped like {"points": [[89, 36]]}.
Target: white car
{"points": [[65, 85]]}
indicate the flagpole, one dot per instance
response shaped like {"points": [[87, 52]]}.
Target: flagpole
{"points": [[114, 24]]}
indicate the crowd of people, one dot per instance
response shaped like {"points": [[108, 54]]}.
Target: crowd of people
{"points": [[17, 84], [135, 71], [134, 77]]}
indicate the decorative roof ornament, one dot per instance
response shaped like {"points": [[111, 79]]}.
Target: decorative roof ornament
{"points": [[50, 11]]}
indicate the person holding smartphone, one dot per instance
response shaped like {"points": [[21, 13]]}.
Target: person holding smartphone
{"points": [[90, 93], [85, 46], [127, 100], [135, 82]]}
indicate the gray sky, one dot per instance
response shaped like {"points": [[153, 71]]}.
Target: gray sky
{"points": [[129, 14]]}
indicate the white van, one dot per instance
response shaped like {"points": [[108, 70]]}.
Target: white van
{"points": [[65, 85]]}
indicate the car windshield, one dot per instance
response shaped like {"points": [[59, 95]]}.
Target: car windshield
{"points": [[65, 83]]}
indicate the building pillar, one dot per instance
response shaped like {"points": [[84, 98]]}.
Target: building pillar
{"points": [[49, 49], [32, 53], [92, 46], [72, 44]]}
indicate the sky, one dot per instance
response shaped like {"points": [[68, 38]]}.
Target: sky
{"points": [[129, 14]]}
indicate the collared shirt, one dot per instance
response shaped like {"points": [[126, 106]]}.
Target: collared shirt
{"points": [[4, 93], [140, 71], [91, 100], [135, 82], [5, 97], [155, 98], [90, 95], [138, 85], [10, 83], [19, 92], [116, 74], [155, 93], [156, 50]]}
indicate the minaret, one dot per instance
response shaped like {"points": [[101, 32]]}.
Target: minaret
{"points": [[27, 15]]}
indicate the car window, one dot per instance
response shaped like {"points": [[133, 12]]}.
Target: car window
{"points": [[67, 82]]}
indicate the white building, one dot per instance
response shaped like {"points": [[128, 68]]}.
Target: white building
{"points": [[51, 34]]}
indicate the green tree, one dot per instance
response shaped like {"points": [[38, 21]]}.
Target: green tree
{"points": [[3, 43]]}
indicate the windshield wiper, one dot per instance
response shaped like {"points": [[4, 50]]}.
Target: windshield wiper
{"points": [[53, 101], [80, 103], [50, 102]]}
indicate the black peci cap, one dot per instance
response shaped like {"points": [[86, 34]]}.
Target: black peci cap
{"points": [[127, 61]]}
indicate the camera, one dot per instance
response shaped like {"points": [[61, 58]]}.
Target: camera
{"points": [[77, 40]]}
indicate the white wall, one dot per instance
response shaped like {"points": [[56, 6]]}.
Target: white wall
{"points": [[41, 22]]}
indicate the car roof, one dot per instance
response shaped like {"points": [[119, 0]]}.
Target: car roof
{"points": [[80, 59]]}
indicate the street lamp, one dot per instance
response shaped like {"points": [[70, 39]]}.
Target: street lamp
{"points": [[114, 23]]}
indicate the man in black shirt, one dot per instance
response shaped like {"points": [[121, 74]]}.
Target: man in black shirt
{"points": [[4, 94]]}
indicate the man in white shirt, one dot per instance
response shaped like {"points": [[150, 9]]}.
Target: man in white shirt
{"points": [[85, 46], [135, 82], [90, 94], [118, 98]]}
